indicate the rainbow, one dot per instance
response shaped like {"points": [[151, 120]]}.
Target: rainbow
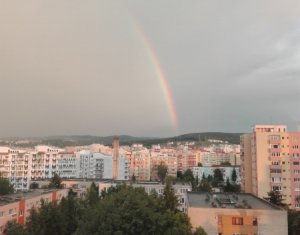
{"points": [[160, 75]]}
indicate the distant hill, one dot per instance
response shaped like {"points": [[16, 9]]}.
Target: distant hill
{"points": [[80, 140], [62, 141]]}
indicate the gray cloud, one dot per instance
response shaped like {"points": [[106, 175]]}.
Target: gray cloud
{"points": [[73, 67]]}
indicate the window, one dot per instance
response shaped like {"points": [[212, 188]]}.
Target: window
{"points": [[276, 179], [296, 171], [21, 213], [254, 222], [1, 213], [276, 188], [10, 211], [276, 171], [296, 163], [237, 221], [296, 179]]}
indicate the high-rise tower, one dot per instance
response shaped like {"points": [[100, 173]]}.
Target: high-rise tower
{"points": [[271, 161]]}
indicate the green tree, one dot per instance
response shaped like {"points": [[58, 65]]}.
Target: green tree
{"points": [[179, 175], [204, 185], [14, 228], [92, 194], [171, 200], [293, 222], [132, 211], [199, 231], [33, 225], [233, 175], [218, 179], [162, 171], [275, 197], [5, 186], [55, 181], [48, 221], [71, 212]]}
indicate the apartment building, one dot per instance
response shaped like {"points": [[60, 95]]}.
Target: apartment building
{"points": [[138, 162], [67, 165], [21, 166], [270, 160], [165, 156], [235, 214], [100, 166], [17, 206], [16, 165]]}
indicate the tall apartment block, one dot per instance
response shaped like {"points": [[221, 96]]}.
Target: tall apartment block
{"points": [[270, 160]]}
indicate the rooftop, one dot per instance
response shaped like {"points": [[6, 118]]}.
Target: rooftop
{"points": [[15, 197], [228, 201]]}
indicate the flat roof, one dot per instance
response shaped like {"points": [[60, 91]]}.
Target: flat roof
{"points": [[228, 201], [15, 197]]}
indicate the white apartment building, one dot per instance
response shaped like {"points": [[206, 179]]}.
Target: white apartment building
{"points": [[40, 163], [100, 166]]}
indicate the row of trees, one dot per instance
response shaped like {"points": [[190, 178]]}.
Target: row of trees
{"points": [[211, 181], [120, 210]]}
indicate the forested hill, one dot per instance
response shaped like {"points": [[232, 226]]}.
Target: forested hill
{"points": [[80, 140], [61, 141]]}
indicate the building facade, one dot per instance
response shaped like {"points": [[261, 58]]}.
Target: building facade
{"points": [[235, 214], [17, 206], [270, 160]]}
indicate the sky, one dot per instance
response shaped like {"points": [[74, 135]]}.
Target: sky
{"points": [[97, 67]]}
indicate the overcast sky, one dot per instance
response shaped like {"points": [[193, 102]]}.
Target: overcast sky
{"points": [[81, 67]]}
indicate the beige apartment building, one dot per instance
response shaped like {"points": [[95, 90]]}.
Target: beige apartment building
{"points": [[235, 214], [270, 161], [17, 206]]}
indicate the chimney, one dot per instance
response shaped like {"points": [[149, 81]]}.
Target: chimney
{"points": [[115, 157]]}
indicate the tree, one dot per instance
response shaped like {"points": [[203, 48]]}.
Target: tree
{"points": [[293, 222], [179, 175], [55, 182], [232, 188], [92, 194], [275, 197], [5, 186], [33, 225], [162, 171], [218, 179], [34, 185], [132, 211], [71, 212], [133, 178], [170, 199], [199, 231], [188, 176], [233, 175], [13, 228], [204, 185], [51, 220]]}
